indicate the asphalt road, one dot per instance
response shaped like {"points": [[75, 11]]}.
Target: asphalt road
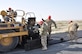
{"points": [[60, 48]]}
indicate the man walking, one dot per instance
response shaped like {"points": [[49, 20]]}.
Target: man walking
{"points": [[49, 21], [72, 29]]}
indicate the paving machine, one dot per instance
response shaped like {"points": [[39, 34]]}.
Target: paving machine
{"points": [[13, 33], [31, 41]]}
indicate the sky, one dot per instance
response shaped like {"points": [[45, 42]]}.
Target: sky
{"points": [[58, 9]]}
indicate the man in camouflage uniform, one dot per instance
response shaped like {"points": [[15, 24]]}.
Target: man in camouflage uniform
{"points": [[72, 29], [43, 33], [49, 21]]}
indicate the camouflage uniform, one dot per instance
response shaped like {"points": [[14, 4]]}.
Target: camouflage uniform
{"points": [[43, 32], [72, 29], [50, 22]]}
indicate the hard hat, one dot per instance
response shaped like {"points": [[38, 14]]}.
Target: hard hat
{"points": [[70, 21], [41, 22], [49, 17], [9, 8]]}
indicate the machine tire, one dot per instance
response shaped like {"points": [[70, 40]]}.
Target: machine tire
{"points": [[4, 48], [9, 43]]}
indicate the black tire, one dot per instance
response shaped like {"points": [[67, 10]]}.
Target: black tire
{"points": [[13, 43]]}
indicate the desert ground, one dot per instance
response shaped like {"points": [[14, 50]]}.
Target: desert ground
{"points": [[63, 25]]}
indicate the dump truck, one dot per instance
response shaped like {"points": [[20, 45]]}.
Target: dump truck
{"points": [[13, 33]]}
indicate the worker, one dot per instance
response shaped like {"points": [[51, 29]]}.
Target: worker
{"points": [[72, 29], [11, 13], [50, 22], [23, 21], [6, 18], [43, 33]]}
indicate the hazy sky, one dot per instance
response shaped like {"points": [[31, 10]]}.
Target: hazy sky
{"points": [[58, 9]]}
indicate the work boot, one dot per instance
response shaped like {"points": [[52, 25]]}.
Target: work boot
{"points": [[44, 48], [49, 38]]}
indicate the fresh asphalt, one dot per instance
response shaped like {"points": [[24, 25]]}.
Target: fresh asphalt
{"points": [[57, 48]]}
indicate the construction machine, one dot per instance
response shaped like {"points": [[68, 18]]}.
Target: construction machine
{"points": [[31, 41], [10, 32], [13, 33]]}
